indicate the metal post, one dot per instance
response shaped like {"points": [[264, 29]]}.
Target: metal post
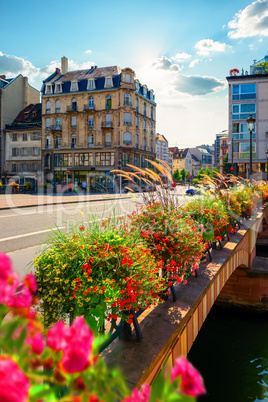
{"points": [[250, 157], [120, 185]]}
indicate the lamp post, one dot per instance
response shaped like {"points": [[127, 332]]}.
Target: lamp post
{"points": [[251, 122], [267, 163]]}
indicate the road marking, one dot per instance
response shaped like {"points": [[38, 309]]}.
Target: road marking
{"points": [[30, 234]]}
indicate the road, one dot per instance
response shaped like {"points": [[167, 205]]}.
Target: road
{"points": [[24, 230]]}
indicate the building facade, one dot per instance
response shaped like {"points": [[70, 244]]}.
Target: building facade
{"points": [[161, 147], [217, 148], [182, 159], [15, 95], [223, 151], [93, 119], [248, 94], [23, 146]]}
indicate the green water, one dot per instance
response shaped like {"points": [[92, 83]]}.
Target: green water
{"points": [[231, 353]]}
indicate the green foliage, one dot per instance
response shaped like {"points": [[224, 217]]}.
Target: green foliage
{"points": [[183, 174], [226, 166], [200, 174], [208, 172], [215, 170], [177, 175]]}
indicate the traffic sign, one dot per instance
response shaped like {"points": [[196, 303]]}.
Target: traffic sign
{"points": [[68, 171]]}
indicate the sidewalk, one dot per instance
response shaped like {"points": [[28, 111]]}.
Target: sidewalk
{"points": [[8, 201]]}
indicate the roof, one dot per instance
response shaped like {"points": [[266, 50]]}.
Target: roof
{"points": [[181, 153], [29, 117], [194, 158], [160, 137]]}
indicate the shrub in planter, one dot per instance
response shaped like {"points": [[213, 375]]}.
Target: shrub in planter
{"points": [[99, 275], [174, 240]]}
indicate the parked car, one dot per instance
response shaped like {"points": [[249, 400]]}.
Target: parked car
{"points": [[192, 191]]}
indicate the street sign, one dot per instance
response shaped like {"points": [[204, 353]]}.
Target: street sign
{"points": [[68, 171], [189, 174]]}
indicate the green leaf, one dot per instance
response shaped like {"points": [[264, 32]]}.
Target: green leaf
{"points": [[39, 391]]}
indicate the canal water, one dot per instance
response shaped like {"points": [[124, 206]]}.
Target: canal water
{"points": [[231, 353]]}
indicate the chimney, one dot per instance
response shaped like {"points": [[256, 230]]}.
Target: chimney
{"points": [[64, 65], [3, 77]]}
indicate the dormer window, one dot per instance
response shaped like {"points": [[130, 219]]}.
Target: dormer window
{"points": [[127, 77], [48, 89], [137, 85], [91, 84], [74, 86], [108, 82], [58, 87], [144, 91]]}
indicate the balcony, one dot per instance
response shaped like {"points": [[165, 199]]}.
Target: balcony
{"points": [[72, 108], [107, 124], [48, 128], [48, 111], [56, 127], [57, 110], [108, 144], [127, 123], [127, 102], [90, 124], [137, 109], [244, 155], [125, 142], [89, 107], [73, 126]]}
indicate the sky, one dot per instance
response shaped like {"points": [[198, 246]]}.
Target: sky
{"points": [[183, 50]]}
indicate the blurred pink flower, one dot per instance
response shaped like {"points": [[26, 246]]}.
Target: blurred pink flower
{"points": [[34, 339], [5, 266], [30, 283], [142, 396], [14, 385], [191, 380], [56, 336]]}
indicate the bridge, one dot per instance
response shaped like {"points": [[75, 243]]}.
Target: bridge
{"points": [[234, 276]]}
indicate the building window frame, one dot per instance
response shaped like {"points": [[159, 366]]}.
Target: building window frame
{"points": [[48, 89], [58, 87], [91, 84], [108, 81], [74, 86]]}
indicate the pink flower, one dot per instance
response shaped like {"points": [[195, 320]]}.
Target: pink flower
{"points": [[14, 293], [142, 396], [30, 283], [14, 385], [191, 380], [34, 339], [75, 342], [5, 266]]}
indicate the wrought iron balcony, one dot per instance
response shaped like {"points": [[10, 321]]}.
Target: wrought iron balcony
{"points": [[107, 124], [56, 127], [72, 108], [89, 107]]}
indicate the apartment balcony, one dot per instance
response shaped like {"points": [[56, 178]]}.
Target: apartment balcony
{"points": [[48, 128], [106, 124], [89, 107], [48, 111], [73, 126], [127, 102], [243, 155], [56, 127], [72, 108], [108, 144], [127, 123], [57, 110], [125, 142]]}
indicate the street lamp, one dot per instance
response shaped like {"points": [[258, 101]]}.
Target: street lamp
{"points": [[251, 122], [267, 163]]}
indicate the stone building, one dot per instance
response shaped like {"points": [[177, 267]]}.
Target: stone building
{"points": [[91, 120], [161, 148]]}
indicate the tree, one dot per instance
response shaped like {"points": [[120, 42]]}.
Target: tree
{"points": [[226, 165], [183, 174], [177, 175], [200, 173], [215, 170], [208, 172]]}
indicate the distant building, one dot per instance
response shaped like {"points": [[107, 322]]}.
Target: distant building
{"points": [[170, 160], [248, 94], [181, 159], [196, 165], [15, 95], [223, 150], [204, 155], [161, 147], [217, 148], [23, 146], [92, 119]]}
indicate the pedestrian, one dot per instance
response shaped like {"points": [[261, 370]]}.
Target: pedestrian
{"points": [[84, 186], [70, 187]]}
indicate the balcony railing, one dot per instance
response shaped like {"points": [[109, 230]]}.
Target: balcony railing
{"points": [[127, 102], [108, 144], [126, 142], [89, 107], [57, 110], [73, 125], [72, 108], [137, 109], [48, 128], [243, 155], [106, 124], [128, 123], [48, 111], [56, 127], [90, 124]]}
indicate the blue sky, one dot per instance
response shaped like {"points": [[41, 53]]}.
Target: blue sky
{"points": [[181, 49]]}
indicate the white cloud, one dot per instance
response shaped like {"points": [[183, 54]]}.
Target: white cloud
{"points": [[197, 85], [88, 51], [251, 21], [180, 57], [193, 63], [163, 63], [205, 46]]}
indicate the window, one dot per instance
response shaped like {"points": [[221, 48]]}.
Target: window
{"points": [[48, 89], [144, 144], [73, 122], [104, 158], [127, 78], [74, 104], [48, 142], [108, 82], [152, 129], [48, 125], [125, 159], [144, 109], [144, 125], [137, 122], [58, 87], [48, 107], [108, 102], [151, 145], [47, 161], [108, 120], [24, 137], [90, 141], [90, 120], [74, 85], [57, 142], [14, 167], [242, 150], [144, 91], [127, 119], [108, 139], [57, 106], [91, 103], [143, 162], [35, 136], [36, 151], [127, 99], [91, 83], [152, 113], [137, 86], [14, 151], [242, 111], [127, 138], [137, 142], [244, 91], [58, 126], [137, 160], [137, 106], [14, 137], [73, 142]]}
